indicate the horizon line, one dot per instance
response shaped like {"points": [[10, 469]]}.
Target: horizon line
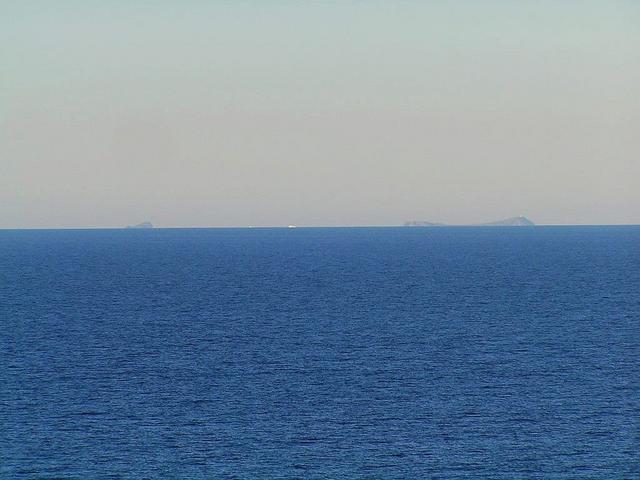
{"points": [[293, 227]]}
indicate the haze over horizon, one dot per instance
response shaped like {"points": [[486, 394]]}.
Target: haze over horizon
{"points": [[318, 113]]}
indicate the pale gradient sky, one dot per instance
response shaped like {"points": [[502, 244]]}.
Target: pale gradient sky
{"points": [[352, 112]]}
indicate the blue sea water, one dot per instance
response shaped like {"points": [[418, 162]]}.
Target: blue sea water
{"points": [[454, 353]]}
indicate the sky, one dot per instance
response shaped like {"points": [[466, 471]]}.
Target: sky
{"points": [[350, 112]]}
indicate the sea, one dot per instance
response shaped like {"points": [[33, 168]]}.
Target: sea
{"points": [[320, 353]]}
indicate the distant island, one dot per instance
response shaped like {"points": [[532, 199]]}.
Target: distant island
{"points": [[417, 223], [510, 222], [520, 221], [141, 225]]}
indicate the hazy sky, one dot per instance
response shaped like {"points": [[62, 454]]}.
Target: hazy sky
{"points": [[350, 112]]}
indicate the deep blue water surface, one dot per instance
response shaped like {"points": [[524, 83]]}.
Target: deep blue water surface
{"points": [[320, 353]]}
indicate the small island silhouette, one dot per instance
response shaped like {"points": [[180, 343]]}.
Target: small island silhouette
{"points": [[520, 221], [141, 225]]}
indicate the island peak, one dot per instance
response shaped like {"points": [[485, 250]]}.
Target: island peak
{"points": [[141, 225]]}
